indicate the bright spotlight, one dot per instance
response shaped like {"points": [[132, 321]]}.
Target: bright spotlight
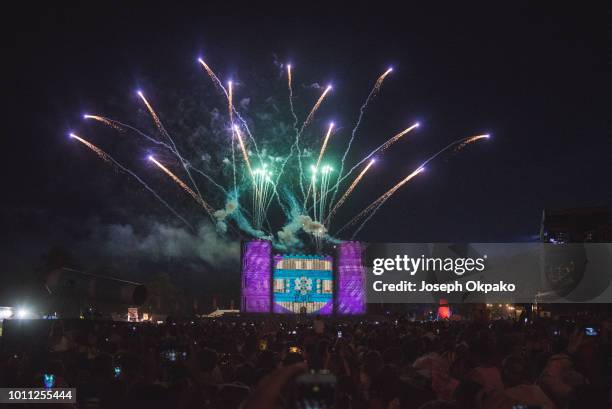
{"points": [[22, 313], [5, 312]]}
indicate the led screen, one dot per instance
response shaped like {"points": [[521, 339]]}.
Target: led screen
{"points": [[303, 284]]}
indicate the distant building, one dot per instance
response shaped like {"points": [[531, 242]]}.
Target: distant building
{"points": [[576, 225]]}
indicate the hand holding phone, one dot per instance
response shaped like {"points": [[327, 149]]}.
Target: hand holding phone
{"points": [[315, 390]]}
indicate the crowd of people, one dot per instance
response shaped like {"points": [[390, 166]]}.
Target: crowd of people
{"points": [[376, 363]]}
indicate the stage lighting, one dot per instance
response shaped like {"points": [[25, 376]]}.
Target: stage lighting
{"points": [[22, 313]]}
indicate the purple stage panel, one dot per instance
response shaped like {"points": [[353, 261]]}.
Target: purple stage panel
{"points": [[256, 270], [328, 309], [350, 279]]}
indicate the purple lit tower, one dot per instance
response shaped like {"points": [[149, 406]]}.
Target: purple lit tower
{"points": [[338, 284], [350, 279], [256, 275]]}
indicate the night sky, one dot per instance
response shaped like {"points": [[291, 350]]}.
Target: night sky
{"points": [[536, 77]]}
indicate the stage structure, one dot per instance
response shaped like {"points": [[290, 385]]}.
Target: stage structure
{"points": [[302, 284]]}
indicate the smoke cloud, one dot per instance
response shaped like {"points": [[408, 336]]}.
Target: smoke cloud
{"points": [[161, 241], [288, 236], [222, 214], [314, 85]]}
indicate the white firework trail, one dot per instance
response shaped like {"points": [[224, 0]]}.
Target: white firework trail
{"points": [[370, 97], [108, 158]]}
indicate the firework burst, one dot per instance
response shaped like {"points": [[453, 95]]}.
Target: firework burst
{"points": [[266, 176]]}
